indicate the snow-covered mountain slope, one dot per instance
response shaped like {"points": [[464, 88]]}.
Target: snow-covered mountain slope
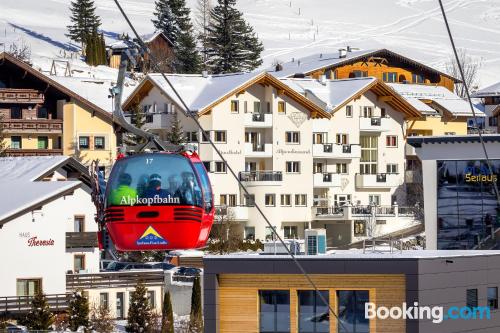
{"points": [[289, 28]]}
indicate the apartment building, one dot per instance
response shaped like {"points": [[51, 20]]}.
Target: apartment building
{"points": [[490, 100], [48, 115], [312, 153]]}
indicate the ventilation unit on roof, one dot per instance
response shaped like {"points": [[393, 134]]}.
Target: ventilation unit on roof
{"points": [[342, 53], [315, 241]]}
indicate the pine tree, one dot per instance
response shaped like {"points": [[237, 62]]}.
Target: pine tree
{"points": [[187, 57], [164, 20], [140, 314], [167, 317], [176, 135], [39, 317], [84, 20], [3, 145], [138, 120], [232, 45], [196, 315], [78, 310], [101, 319]]}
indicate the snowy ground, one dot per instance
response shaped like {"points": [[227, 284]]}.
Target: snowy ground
{"points": [[292, 28]]}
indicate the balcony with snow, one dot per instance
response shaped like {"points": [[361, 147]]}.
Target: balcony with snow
{"points": [[258, 120], [336, 151]]}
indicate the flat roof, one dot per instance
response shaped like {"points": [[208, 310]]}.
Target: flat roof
{"points": [[417, 141]]}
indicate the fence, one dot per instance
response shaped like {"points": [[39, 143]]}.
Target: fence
{"points": [[114, 279], [22, 304]]}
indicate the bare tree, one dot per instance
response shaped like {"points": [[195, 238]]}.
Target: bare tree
{"points": [[202, 21], [100, 318], [470, 66], [21, 52], [224, 236]]}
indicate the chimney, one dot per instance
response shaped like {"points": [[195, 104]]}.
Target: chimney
{"points": [[204, 74], [278, 67], [342, 53], [322, 79], [321, 55], [298, 62], [293, 59]]}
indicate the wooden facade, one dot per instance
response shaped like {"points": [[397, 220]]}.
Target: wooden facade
{"points": [[238, 297]]}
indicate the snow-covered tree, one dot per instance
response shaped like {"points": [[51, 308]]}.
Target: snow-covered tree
{"points": [[39, 317], [140, 315], [232, 45], [84, 20], [202, 21], [167, 318], [164, 20], [78, 311], [196, 315], [101, 319]]}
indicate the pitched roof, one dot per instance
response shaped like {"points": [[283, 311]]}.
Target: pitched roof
{"points": [[335, 94], [318, 61], [60, 86], [202, 93], [23, 175], [429, 99], [490, 91], [148, 38]]}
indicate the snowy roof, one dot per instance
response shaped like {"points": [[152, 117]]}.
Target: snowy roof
{"points": [[148, 38], [198, 91], [333, 92], [22, 174], [319, 61], [440, 97], [493, 90]]}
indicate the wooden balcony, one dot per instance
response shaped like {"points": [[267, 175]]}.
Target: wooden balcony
{"points": [[21, 96], [22, 304], [114, 279], [33, 152], [81, 240], [39, 126]]}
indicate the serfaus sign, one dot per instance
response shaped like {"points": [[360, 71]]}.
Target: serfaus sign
{"points": [[479, 175]]}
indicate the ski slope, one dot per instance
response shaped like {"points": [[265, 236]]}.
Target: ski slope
{"points": [[288, 28]]}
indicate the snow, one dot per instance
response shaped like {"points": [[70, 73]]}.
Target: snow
{"points": [[493, 90], [21, 173], [290, 28], [438, 94], [333, 92]]}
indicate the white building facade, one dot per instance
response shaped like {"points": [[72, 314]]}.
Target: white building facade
{"points": [[306, 162]]}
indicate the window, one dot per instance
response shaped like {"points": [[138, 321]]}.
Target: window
{"points": [[292, 137], [245, 106], [367, 112], [374, 199], [16, 142], [268, 107], [205, 136], [43, 142], [16, 112], [318, 167], [28, 287], [492, 121], [286, 200], [320, 138], [348, 111], [392, 168], [383, 113], [42, 113], [293, 167], [417, 78], [380, 222], [290, 232], [274, 311], [78, 263], [390, 77], [220, 136], [342, 199], [493, 297], [471, 298], [151, 298], [83, 142], [149, 118], [313, 312], [391, 141], [358, 74], [369, 152], [232, 200], [270, 200], [104, 300], [300, 199], [223, 199], [147, 108], [207, 166], [359, 228], [79, 223], [250, 233], [351, 311], [341, 168], [281, 107], [192, 136], [342, 139], [235, 106], [220, 167], [99, 142], [249, 200], [256, 107], [450, 133]]}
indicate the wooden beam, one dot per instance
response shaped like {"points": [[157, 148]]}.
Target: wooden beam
{"points": [[280, 92], [385, 98]]}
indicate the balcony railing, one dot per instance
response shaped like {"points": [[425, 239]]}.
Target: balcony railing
{"points": [[33, 152], [334, 150], [361, 210], [334, 211], [32, 125], [81, 240], [263, 120], [113, 279], [374, 124], [378, 180], [327, 179], [22, 304], [261, 176], [27, 96], [259, 150]]}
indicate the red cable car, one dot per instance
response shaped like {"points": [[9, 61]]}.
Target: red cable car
{"points": [[159, 201]]}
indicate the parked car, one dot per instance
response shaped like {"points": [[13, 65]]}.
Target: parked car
{"points": [[188, 271], [162, 265], [104, 263], [116, 266], [12, 328]]}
